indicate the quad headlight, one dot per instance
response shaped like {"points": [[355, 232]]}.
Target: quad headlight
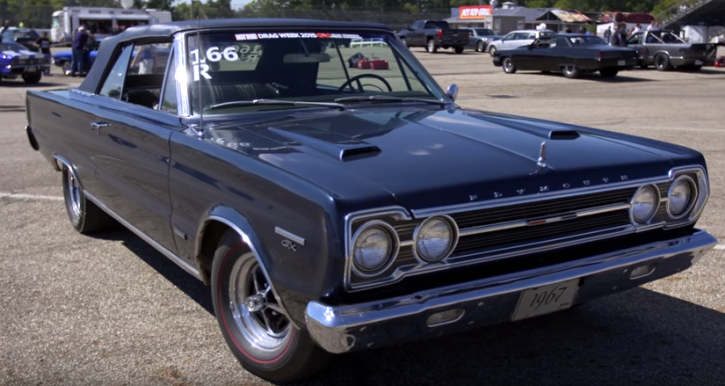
{"points": [[435, 238], [645, 203], [681, 197], [375, 246]]}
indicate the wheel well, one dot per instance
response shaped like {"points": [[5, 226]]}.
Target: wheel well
{"points": [[210, 238]]}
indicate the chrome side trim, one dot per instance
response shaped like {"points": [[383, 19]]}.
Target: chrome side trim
{"points": [[290, 236], [543, 220], [246, 240], [170, 255]]}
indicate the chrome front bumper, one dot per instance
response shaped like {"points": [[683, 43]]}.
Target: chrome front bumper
{"points": [[341, 329]]}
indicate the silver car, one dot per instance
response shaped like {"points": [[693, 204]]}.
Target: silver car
{"points": [[518, 38]]}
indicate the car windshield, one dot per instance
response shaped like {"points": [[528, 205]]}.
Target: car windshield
{"points": [[587, 40], [483, 31], [11, 46], [230, 70]]}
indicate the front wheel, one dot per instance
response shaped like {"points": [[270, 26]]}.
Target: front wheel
{"points": [[256, 328], [508, 66], [491, 50], [480, 47], [32, 78]]}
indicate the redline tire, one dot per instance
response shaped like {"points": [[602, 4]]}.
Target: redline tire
{"points": [[285, 354]]}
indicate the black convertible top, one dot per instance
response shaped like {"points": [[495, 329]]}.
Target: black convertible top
{"points": [[167, 30]]}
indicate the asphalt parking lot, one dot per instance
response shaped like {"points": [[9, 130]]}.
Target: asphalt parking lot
{"points": [[110, 310]]}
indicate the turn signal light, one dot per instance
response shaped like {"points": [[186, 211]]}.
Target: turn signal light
{"points": [[445, 317]]}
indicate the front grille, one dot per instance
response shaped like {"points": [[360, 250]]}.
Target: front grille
{"points": [[487, 245]]}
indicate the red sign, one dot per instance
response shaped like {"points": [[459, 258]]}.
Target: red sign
{"points": [[474, 12]]}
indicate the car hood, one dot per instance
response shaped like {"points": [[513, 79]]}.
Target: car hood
{"points": [[434, 157]]}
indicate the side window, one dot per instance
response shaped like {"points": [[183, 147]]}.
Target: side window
{"points": [[509, 36], [168, 102], [635, 39], [113, 85], [149, 59]]}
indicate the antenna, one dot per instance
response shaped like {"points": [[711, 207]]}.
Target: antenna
{"points": [[201, 106]]}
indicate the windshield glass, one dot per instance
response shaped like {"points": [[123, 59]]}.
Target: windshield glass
{"points": [[483, 31], [587, 40], [299, 66]]}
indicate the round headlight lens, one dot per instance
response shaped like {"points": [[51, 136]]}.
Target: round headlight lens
{"points": [[433, 239], [644, 204], [373, 249], [679, 196]]}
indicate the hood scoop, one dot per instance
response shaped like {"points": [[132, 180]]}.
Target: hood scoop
{"points": [[341, 147], [563, 134]]}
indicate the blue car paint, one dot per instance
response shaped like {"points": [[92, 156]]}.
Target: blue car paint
{"points": [[13, 57], [63, 57]]}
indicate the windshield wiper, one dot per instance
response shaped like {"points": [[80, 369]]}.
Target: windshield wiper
{"points": [[275, 102], [389, 99]]}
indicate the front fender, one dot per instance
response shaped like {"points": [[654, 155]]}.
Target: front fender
{"points": [[240, 224]]}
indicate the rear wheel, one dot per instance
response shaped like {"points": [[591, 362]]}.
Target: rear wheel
{"points": [[662, 62], [256, 328], [432, 46], [508, 66], [609, 73], [85, 216], [459, 50], [570, 71]]}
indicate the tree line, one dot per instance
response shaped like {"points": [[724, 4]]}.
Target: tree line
{"points": [[38, 13]]}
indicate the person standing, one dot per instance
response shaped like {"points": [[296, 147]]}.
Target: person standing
{"points": [[43, 43], [608, 34], [80, 39]]}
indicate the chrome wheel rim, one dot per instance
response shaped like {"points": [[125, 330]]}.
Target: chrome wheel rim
{"points": [[431, 46], [480, 47], [74, 195], [569, 69], [256, 313], [508, 64]]}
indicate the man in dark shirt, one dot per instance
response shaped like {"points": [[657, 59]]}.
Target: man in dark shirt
{"points": [[80, 39], [43, 43]]}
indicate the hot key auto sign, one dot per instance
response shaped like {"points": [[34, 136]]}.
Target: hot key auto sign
{"points": [[474, 11]]}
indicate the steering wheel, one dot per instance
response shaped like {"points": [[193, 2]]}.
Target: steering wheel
{"points": [[359, 85]]}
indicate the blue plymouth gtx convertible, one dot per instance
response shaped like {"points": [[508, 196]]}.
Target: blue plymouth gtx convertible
{"points": [[335, 209], [16, 61]]}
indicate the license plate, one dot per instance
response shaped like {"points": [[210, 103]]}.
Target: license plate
{"points": [[31, 69], [621, 63], [546, 299], [698, 62]]}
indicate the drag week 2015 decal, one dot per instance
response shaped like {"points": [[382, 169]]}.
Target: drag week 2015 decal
{"points": [[295, 35]]}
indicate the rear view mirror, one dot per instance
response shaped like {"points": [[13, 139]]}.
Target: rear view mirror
{"points": [[306, 58]]}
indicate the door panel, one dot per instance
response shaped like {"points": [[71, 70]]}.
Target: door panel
{"points": [[132, 167]]}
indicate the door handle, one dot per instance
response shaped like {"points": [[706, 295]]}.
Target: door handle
{"points": [[98, 125]]}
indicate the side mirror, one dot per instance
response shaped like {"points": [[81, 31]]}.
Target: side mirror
{"points": [[452, 92]]}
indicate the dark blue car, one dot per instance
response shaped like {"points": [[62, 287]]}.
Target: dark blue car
{"points": [[17, 61]]}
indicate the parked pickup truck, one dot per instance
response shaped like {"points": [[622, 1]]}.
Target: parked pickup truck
{"points": [[261, 165], [434, 34], [665, 51]]}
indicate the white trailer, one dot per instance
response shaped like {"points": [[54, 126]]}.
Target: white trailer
{"points": [[102, 20]]}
